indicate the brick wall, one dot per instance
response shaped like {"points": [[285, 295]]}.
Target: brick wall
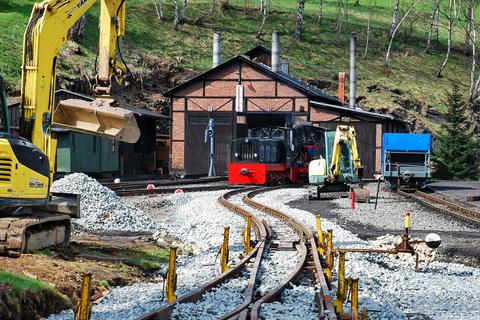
{"points": [[320, 114]]}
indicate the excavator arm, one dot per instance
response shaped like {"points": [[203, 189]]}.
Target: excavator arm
{"points": [[45, 35], [345, 134]]}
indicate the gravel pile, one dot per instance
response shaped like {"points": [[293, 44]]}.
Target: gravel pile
{"points": [[101, 209], [389, 287]]}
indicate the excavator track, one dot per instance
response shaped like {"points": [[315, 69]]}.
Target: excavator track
{"points": [[39, 229]]}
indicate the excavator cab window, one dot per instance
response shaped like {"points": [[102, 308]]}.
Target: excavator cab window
{"points": [[4, 127]]}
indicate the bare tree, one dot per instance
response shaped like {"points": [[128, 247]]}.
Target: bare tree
{"points": [[209, 12], [395, 14], [183, 13], [320, 13], [433, 28], [473, 85], [77, 31], [176, 20], [159, 9], [297, 34], [468, 30], [452, 17], [387, 56], [264, 6], [341, 15], [371, 10]]}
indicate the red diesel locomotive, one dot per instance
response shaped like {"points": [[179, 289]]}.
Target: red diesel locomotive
{"points": [[275, 154]]}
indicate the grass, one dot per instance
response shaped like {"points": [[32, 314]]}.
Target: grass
{"points": [[148, 260], [43, 252], [22, 283], [321, 54]]}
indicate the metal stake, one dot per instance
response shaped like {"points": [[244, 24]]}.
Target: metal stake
{"points": [[224, 250], [84, 307], [172, 275], [354, 288], [342, 288], [246, 235], [321, 240]]}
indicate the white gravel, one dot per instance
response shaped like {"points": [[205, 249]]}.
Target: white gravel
{"points": [[101, 209], [391, 286], [274, 268]]}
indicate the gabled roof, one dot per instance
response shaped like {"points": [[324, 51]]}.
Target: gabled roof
{"points": [[311, 91], [357, 111], [257, 49]]}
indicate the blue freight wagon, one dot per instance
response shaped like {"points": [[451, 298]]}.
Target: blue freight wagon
{"points": [[406, 159]]}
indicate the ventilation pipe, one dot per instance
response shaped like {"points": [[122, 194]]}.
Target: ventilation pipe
{"points": [[353, 76], [275, 51], [217, 49], [341, 87]]}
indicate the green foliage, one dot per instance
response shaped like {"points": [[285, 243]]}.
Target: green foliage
{"points": [[321, 54], [458, 155], [148, 260], [22, 283]]}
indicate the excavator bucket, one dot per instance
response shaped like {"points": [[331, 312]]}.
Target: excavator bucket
{"points": [[98, 117]]}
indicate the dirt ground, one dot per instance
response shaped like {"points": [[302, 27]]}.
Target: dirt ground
{"points": [[112, 260], [457, 246]]}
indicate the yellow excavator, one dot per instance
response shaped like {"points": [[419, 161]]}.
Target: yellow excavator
{"points": [[31, 217], [338, 166]]}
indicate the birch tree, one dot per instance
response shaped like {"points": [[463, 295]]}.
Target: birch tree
{"points": [[159, 9], [468, 29], [433, 27], [387, 55], [371, 9], [341, 15], [297, 34], [183, 13], [395, 14], [452, 16], [176, 19], [211, 8], [264, 6], [320, 13]]}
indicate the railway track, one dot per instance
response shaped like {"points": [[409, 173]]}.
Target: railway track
{"points": [[272, 233], [439, 204]]}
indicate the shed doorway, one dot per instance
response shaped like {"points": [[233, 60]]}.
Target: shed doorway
{"points": [[262, 120]]}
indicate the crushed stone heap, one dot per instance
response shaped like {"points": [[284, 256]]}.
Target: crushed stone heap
{"points": [[101, 209]]}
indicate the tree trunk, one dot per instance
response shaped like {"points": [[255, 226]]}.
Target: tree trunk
{"points": [[159, 9], [77, 31], [433, 28], [320, 13], [297, 34], [341, 15], [395, 13], [387, 56], [468, 30], [473, 87], [209, 12], [370, 14], [450, 18], [176, 20], [183, 13], [264, 5]]}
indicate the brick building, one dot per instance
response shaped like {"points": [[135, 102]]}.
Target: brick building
{"points": [[246, 92]]}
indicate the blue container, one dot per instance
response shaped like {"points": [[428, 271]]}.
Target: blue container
{"points": [[406, 141]]}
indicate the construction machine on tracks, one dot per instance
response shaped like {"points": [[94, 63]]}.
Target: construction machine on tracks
{"points": [[31, 217], [339, 166]]}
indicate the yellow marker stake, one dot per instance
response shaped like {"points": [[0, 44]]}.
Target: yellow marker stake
{"points": [[246, 235], [354, 288], [329, 255], [84, 306], [342, 288], [321, 241], [224, 250], [171, 285]]}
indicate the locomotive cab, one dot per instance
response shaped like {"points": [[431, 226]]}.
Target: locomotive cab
{"points": [[275, 154]]}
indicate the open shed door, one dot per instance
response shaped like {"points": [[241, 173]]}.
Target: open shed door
{"points": [[197, 151]]}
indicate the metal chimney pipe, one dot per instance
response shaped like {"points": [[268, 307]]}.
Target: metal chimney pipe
{"points": [[353, 76], [217, 49], [275, 51]]}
